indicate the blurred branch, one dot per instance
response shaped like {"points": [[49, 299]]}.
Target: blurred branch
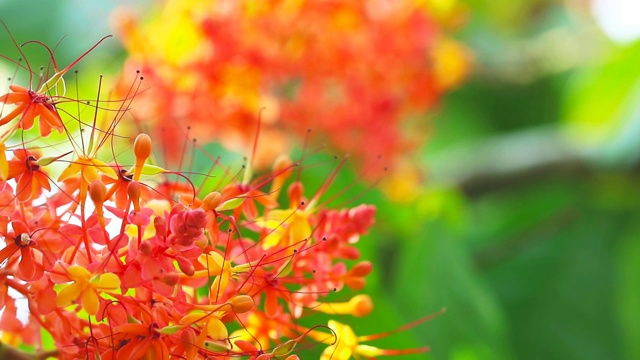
{"points": [[509, 160]]}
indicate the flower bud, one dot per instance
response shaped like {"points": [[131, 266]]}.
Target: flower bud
{"points": [[97, 192], [241, 303], [185, 265], [142, 150], [146, 247], [361, 269], [133, 190], [296, 191], [171, 278], [142, 146], [211, 201], [362, 305]]}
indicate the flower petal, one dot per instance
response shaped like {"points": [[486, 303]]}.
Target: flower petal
{"points": [[10, 116], [77, 272], [106, 281], [90, 301], [70, 171], [216, 329], [68, 294]]}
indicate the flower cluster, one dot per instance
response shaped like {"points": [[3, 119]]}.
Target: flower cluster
{"points": [[352, 71], [133, 261]]}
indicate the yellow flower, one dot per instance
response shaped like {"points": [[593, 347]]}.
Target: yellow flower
{"points": [[85, 287], [88, 169], [287, 227]]}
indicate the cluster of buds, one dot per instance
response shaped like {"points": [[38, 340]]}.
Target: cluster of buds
{"points": [[116, 261]]}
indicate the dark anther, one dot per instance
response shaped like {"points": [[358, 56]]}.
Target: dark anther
{"points": [[124, 175], [153, 332], [22, 240], [30, 161]]}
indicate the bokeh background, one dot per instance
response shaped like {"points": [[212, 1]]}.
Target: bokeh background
{"points": [[523, 218]]}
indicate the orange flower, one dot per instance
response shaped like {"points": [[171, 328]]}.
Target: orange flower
{"points": [[30, 178], [41, 103], [30, 105]]}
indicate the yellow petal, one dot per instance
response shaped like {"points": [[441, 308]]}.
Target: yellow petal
{"points": [[105, 169], [275, 218], [216, 329], [78, 272], [218, 286], [68, 294], [300, 228], [90, 173], [90, 302], [193, 318], [4, 164], [213, 261], [70, 171], [107, 281]]}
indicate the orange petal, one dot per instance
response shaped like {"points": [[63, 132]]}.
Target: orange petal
{"points": [[29, 114], [15, 97], [50, 115], [8, 251], [24, 188], [10, 116], [18, 88]]}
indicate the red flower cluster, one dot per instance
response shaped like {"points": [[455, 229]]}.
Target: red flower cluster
{"points": [[352, 71], [122, 262]]}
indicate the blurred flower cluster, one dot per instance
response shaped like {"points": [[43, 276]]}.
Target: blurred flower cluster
{"points": [[117, 252], [354, 72]]}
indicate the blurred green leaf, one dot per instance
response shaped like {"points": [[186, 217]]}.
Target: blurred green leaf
{"points": [[435, 272]]}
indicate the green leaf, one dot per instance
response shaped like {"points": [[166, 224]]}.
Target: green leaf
{"points": [[230, 204]]}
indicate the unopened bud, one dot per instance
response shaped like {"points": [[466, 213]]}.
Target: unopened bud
{"points": [[185, 265], [296, 191], [146, 247], [97, 192], [244, 345], [171, 278], [133, 190], [241, 304], [211, 201], [355, 283], [188, 338], [142, 146], [362, 305], [142, 150], [361, 269]]}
